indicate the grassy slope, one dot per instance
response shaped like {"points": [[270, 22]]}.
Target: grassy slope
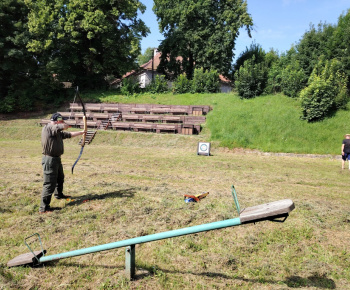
{"points": [[269, 123], [130, 184]]}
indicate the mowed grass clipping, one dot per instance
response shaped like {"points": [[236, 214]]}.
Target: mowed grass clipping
{"points": [[267, 123], [132, 184]]}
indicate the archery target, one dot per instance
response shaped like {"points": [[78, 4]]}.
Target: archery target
{"points": [[203, 148]]}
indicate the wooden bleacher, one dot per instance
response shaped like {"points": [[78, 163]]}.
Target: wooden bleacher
{"points": [[176, 119]]}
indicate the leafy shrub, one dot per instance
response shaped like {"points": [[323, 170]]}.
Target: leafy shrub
{"points": [[251, 79], [159, 85], [326, 91], [205, 81], [212, 81], [317, 100], [8, 104], [182, 85], [130, 86], [293, 80], [255, 50], [274, 80]]}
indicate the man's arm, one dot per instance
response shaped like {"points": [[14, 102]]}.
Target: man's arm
{"points": [[74, 134], [342, 149]]}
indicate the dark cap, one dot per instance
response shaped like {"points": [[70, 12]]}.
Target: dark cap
{"points": [[56, 117]]}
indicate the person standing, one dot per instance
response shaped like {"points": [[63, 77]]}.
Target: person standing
{"points": [[345, 150], [52, 137]]}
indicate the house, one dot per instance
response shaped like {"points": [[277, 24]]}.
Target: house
{"points": [[148, 72]]}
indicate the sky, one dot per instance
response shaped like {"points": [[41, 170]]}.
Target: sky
{"points": [[278, 24]]}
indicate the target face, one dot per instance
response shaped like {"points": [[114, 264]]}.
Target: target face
{"points": [[203, 148]]}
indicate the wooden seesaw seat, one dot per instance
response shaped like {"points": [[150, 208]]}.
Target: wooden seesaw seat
{"points": [[268, 211], [26, 259]]}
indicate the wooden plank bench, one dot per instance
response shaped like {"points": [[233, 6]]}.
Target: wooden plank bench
{"points": [[137, 110], [67, 115], [159, 110], [79, 116], [172, 119], [194, 119], [99, 116], [75, 107], [166, 128], [121, 126], [90, 124], [151, 118], [131, 117], [93, 108], [110, 109], [269, 211], [143, 127], [73, 123], [178, 111]]}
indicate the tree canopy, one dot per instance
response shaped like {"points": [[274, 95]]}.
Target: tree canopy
{"points": [[202, 32], [82, 41]]}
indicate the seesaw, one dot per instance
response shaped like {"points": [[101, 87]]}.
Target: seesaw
{"points": [[277, 211]]}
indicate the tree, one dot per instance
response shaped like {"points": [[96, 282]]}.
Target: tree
{"points": [[16, 64], [326, 91], [254, 50], [83, 41], [251, 78], [201, 32], [147, 56]]}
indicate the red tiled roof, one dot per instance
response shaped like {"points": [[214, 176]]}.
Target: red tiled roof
{"points": [[156, 62]]}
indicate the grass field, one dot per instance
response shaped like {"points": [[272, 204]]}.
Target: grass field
{"points": [[132, 184], [267, 123]]}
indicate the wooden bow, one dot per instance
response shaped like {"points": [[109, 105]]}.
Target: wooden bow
{"points": [[85, 128]]}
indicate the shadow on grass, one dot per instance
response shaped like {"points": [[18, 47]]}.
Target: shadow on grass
{"points": [[318, 281], [77, 200]]}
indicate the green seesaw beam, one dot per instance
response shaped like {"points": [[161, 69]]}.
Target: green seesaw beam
{"points": [[273, 211]]}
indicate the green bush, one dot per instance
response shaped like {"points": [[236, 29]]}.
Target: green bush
{"points": [[251, 79], [205, 81], [326, 91], [130, 86], [317, 100], [182, 85], [274, 79], [158, 85], [293, 80]]}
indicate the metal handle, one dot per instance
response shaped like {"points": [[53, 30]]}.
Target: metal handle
{"points": [[41, 245], [234, 194]]}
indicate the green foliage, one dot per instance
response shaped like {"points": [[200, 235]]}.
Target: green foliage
{"points": [[82, 41], [274, 79], [130, 86], [254, 50], [326, 91], [293, 80], [181, 84], [251, 79], [317, 99], [17, 65], [312, 45], [205, 81], [202, 33], [144, 58], [158, 85]]}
